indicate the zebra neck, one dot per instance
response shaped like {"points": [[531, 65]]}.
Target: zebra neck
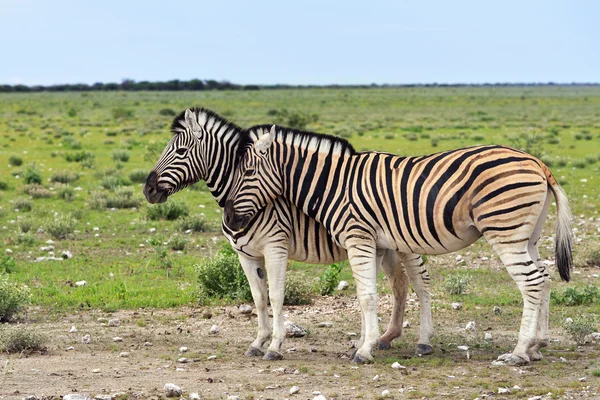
{"points": [[220, 163]]}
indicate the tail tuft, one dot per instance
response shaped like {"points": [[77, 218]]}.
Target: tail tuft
{"points": [[563, 242]]}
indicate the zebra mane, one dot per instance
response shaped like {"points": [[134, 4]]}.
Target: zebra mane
{"points": [[179, 125], [290, 136]]}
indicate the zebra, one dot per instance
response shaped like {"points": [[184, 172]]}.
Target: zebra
{"points": [[204, 147], [430, 204]]}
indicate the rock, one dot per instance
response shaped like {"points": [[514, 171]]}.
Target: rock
{"points": [[535, 398], [73, 329], [148, 344], [397, 365], [463, 348], [80, 283], [568, 320], [70, 348], [96, 371], [152, 230], [376, 378], [103, 397], [596, 335], [385, 393], [325, 324], [8, 251], [319, 397], [114, 322], [183, 360], [245, 309], [86, 339], [233, 397], [117, 339], [194, 396], [293, 330], [406, 324], [487, 336], [183, 349], [66, 254], [470, 326], [497, 310], [211, 358], [124, 354], [343, 285], [457, 306], [582, 379], [294, 389], [46, 248], [562, 359], [31, 397], [172, 390], [503, 390], [214, 330], [75, 396]]}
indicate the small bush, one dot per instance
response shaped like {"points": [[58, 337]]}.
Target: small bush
{"points": [[120, 155], [37, 191], [121, 198], [3, 185], [7, 264], [195, 223], [112, 182], [293, 119], [554, 140], [19, 339], [411, 136], [32, 175], [80, 157], [65, 192], [167, 112], [414, 128], [457, 284], [329, 280], [591, 159], [580, 327], [25, 239], [178, 242], [24, 224], [579, 163], [573, 297], [122, 113], [13, 298], [588, 256], [61, 226], [222, 277], [15, 161], [64, 177], [24, 205], [298, 290], [138, 175], [170, 210], [72, 112]]}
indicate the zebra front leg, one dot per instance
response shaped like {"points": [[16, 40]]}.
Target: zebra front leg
{"points": [[276, 259], [255, 273], [398, 280], [363, 261], [419, 277]]}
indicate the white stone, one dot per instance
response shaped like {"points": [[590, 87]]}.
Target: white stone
{"points": [[8, 251], [516, 387], [582, 379], [497, 310], [183, 349], [376, 378], [148, 344], [470, 326], [103, 397], [406, 324], [342, 285], [114, 322], [385, 393], [457, 306], [214, 330], [183, 360], [124, 354], [172, 390], [562, 359], [86, 339], [70, 348], [211, 357], [80, 283], [463, 348], [233, 397], [46, 248], [75, 396], [397, 365], [152, 230], [245, 309], [320, 397], [96, 371], [194, 396], [325, 324], [117, 339], [596, 335], [73, 329], [95, 228], [487, 336], [535, 398], [568, 320], [66, 254], [294, 389], [293, 330], [503, 390]]}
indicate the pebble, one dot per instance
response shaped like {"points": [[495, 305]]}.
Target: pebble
{"points": [[596, 335], [582, 379], [245, 309], [75, 396], [46, 248], [294, 389], [293, 330], [343, 285], [124, 354], [397, 365], [463, 348], [152, 230], [194, 396], [66, 254], [406, 324], [497, 310], [385, 393], [470, 326], [183, 360], [86, 339], [114, 322], [172, 390], [117, 339], [80, 283], [211, 358], [70, 348], [148, 344], [103, 397], [562, 359], [8, 251], [325, 324], [214, 330], [535, 398], [457, 306], [376, 378], [233, 397], [73, 329], [319, 397], [96, 371], [568, 320], [503, 390], [487, 336], [183, 349]]}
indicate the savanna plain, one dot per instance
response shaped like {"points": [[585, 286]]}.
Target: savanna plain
{"points": [[122, 297]]}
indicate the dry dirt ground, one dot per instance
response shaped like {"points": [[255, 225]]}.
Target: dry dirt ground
{"points": [[317, 362]]}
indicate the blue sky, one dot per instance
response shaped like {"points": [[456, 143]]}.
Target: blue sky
{"points": [[300, 42]]}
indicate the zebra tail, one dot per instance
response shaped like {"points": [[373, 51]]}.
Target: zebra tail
{"points": [[563, 246]]}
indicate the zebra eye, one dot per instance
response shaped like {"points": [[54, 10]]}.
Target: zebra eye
{"points": [[181, 151], [249, 172]]}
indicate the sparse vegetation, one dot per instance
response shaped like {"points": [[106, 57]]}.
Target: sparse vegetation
{"points": [[14, 297], [580, 327], [21, 339], [329, 279], [195, 223], [298, 290], [170, 211], [457, 283], [61, 226], [15, 161]]}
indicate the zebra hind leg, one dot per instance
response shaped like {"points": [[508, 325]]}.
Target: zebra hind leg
{"points": [[398, 280], [254, 270]]}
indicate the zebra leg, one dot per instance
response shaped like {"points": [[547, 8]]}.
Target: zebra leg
{"points": [[419, 277], [393, 269], [363, 261], [276, 259], [254, 270]]}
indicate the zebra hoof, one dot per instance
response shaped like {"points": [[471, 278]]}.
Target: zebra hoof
{"points": [[535, 355], [512, 359], [358, 359], [254, 352], [272, 356], [423, 349], [385, 345]]}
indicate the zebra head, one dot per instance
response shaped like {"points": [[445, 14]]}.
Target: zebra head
{"points": [[257, 182], [180, 164]]}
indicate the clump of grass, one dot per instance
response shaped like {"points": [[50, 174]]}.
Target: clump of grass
{"points": [[328, 281], [573, 297], [23, 204], [65, 192], [222, 277], [591, 159], [121, 198], [112, 182], [178, 242], [32, 175], [170, 210], [298, 290], [25, 239], [13, 298], [79, 156], [138, 175], [15, 161], [457, 284], [583, 135], [61, 226], [579, 163], [19, 339], [195, 223], [120, 155], [3, 185], [7, 264], [588, 256], [411, 136], [414, 128], [167, 112], [24, 224], [580, 327], [37, 191], [122, 113], [64, 177]]}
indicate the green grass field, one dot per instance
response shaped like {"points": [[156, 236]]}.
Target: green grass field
{"points": [[110, 247]]}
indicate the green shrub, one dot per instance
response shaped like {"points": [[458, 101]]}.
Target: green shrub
{"points": [[457, 283], [72, 143], [19, 339], [222, 277], [112, 182], [122, 113], [170, 210], [294, 119], [298, 290], [580, 327], [7, 264], [328, 281], [167, 112], [24, 224], [195, 223], [72, 112], [13, 298], [121, 198], [591, 159], [588, 255], [61, 226], [15, 161], [37, 191], [120, 155], [178, 242], [80, 156], [32, 175], [25, 239], [64, 177], [414, 129], [65, 192], [411, 136], [23, 204], [579, 163], [138, 175], [573, 297], [3, 185]]}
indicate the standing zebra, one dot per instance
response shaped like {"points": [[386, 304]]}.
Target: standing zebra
{"points": [[430, 204], [204, 147]]}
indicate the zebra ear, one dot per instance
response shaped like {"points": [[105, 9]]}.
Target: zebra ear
{"points": [[192, 123], [265, 141]]}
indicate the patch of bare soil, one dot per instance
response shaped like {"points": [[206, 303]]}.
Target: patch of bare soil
{"points": [[317, 362]]}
